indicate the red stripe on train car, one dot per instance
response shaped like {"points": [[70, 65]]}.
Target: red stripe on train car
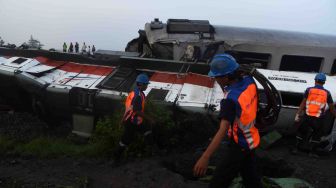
{"points": [[103, 71], [167, 78], [190, 78], [201, 80], [86, 69], [50, 62], [76, 67]]}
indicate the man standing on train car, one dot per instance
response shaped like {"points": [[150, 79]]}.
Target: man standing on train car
{"points": [[314, 102], [237, 117], [134, 115]]}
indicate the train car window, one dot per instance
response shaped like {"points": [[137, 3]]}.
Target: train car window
{"points": [[300, 63], [333, 68], [259, 60], [157, 94], [19, 60], [121, 80], [291, 99]]}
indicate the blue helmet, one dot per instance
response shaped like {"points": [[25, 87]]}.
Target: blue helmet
{"points": [[320, 77], [222, 64], [142, 78]]}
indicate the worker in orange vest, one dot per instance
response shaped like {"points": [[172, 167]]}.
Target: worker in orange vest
{"points": [[314, 104], [134, 115], [237, 121]]}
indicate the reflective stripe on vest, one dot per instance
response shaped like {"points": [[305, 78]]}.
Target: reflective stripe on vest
{"points": [[316, 102], [245, 133], [129, 113]]}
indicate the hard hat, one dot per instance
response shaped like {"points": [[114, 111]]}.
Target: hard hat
{"points": [[222, 65], [142, 78], [320, 77]]}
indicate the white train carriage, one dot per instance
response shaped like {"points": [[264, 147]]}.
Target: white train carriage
{"points": [[87, 91]]}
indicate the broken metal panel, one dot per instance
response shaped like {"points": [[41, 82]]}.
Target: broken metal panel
{"points": [[17, 63], [39, 69]]}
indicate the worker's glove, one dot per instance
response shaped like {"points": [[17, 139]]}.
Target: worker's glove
{"points": [[297, 118]]}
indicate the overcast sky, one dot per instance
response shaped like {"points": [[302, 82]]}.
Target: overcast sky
{"points": [[110, 24]]}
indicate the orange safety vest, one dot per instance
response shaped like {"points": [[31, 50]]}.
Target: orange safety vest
{"points": [[129, 113], [245, 96], [316, 101]]}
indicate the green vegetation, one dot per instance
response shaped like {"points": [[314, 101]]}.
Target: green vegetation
{"points": [[47, 147], [102, 142], [80, 182], [6, 144]]}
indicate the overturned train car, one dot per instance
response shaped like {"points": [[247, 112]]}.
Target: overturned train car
{"points": [[85, 91]]}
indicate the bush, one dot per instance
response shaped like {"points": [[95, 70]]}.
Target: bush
{"points": [[6, 144], [173, 130], [107, 132], [50, 147]]}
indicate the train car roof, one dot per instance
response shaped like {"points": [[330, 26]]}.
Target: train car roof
{"points": [[240, 35]]}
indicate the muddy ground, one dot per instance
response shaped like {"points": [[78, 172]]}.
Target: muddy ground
{"points": [[149, 172], [156, 171]]}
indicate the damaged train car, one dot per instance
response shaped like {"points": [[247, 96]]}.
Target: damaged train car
{"points": [[175, 55], [85, 91], [198, 40]]}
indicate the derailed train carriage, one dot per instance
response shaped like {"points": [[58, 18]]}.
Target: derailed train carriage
{"points": [[85, 91], [175, 55]]}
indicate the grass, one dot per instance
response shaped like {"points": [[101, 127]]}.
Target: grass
{"points": [[105, 137], [51, 147], [101, 144]]}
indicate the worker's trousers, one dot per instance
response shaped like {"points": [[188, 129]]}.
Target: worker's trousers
{"points": [[234, 161], [309, 133], [131, 130]]}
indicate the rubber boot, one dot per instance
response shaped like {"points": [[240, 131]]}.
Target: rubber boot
{"points": [[118, 154]]}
